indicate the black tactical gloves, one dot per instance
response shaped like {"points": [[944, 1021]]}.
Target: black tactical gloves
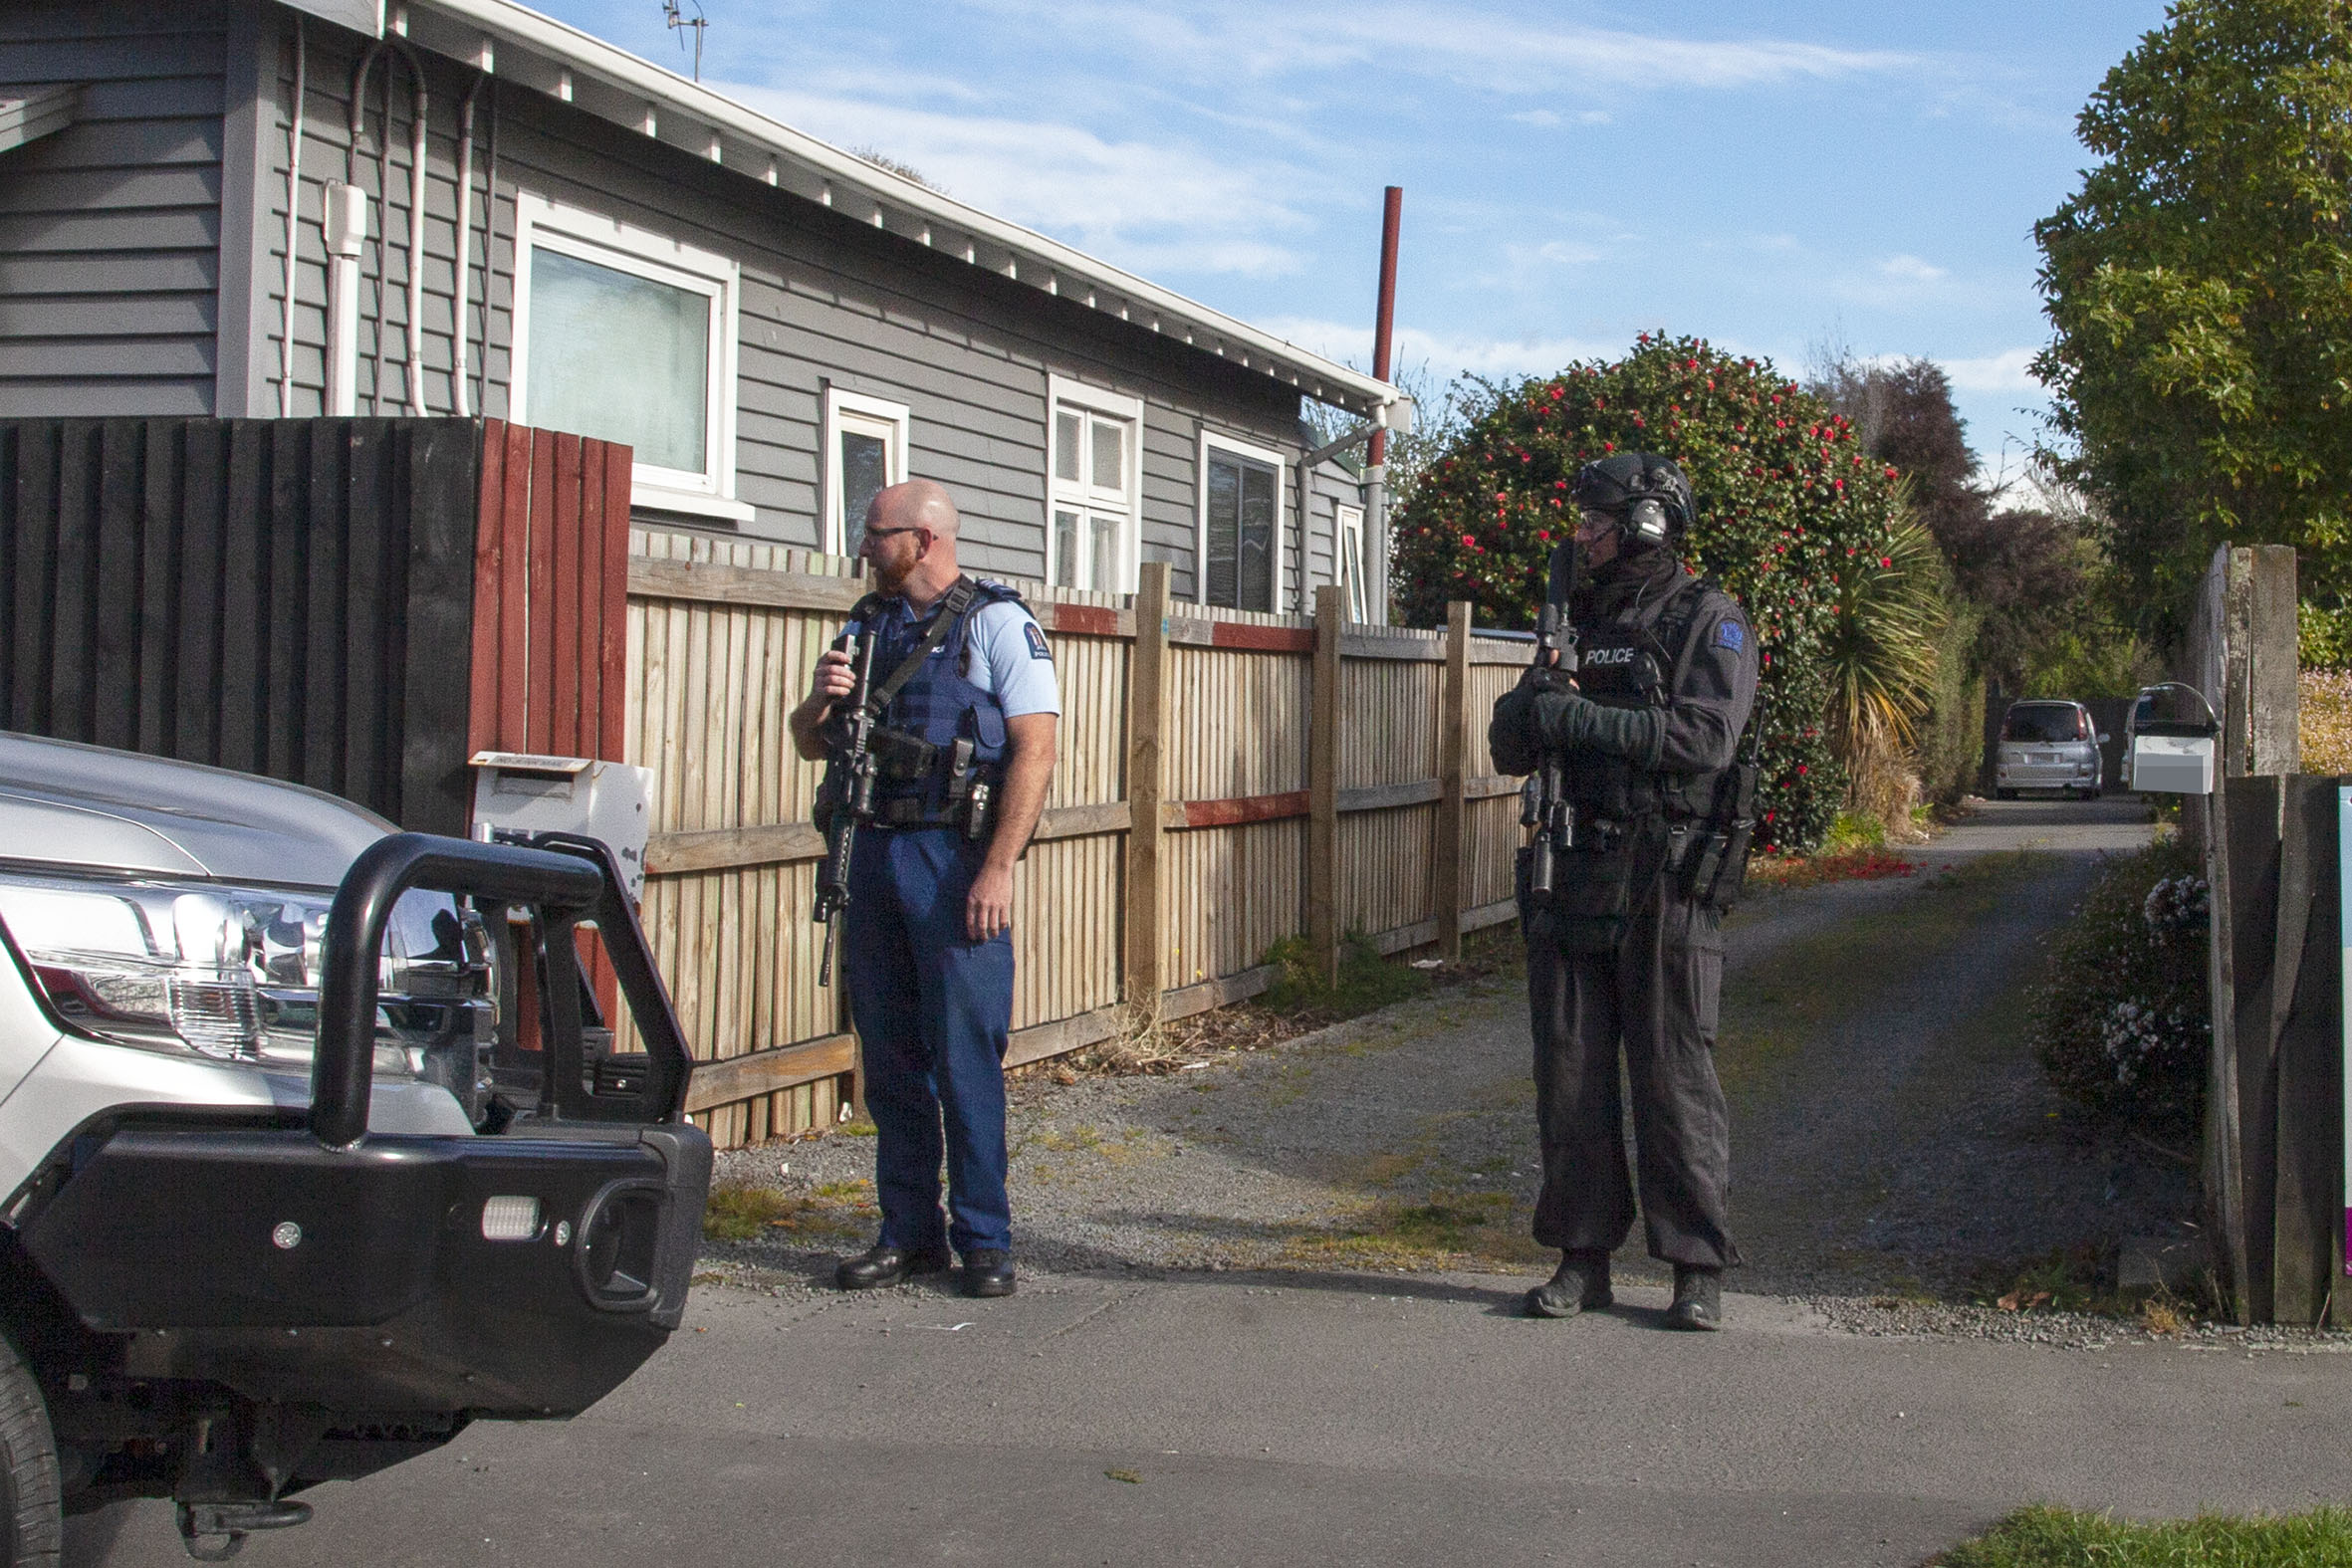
{"points": [[1541, 713]]}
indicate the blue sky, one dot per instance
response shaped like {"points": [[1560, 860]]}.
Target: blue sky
{"points": [[1773, 178]]}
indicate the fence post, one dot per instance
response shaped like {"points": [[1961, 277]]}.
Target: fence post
{"points": [[1453, 746], [1323, 785], [1144, 954]]}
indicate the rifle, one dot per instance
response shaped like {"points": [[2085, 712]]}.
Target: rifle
{"points": [[853, 805], [1543, 802]]}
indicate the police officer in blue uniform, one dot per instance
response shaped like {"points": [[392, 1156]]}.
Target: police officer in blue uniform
{"points": [[965, 744], [1627, 951]]}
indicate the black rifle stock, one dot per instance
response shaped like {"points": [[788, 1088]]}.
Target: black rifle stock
{"points": [[1545, 804], [853, 763]]}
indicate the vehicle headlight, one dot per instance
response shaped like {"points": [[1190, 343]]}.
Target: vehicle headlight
{"points": [[233, 972]]}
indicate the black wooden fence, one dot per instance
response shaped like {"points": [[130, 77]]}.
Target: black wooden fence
{"points": [[288, 597]]}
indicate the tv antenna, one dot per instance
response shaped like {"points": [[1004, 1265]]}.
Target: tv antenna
{"points": [[679, 19]]}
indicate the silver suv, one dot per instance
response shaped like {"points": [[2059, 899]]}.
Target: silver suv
{"points": [[2048, 746], [313, 1145]]}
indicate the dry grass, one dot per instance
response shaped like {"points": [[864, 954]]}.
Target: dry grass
{"points": [[2326, 714]]}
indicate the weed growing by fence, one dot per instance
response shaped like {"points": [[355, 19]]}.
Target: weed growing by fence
{"points": [[2046, 1537], [2121, 1021]]}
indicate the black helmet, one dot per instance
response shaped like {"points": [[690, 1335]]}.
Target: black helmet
{"points": [[1649, 490]]}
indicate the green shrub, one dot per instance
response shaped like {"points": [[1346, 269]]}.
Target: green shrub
{"points": [[2121, 1024], [1790, 504], [2324, 636], [1950, 744]]}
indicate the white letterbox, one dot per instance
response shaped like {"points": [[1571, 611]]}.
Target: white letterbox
{"points": [[2173, 763], [523, 792]]}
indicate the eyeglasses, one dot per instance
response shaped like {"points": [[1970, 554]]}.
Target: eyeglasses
{"points": [[887, 533], [1594, 518]]}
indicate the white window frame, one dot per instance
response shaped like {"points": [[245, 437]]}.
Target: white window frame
{"points": [[1348, 539], [1217, 441], [1083, 493], [593, 237], [846, 411]]}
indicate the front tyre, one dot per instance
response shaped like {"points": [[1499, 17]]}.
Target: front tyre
{"points": [[32, 1523]]}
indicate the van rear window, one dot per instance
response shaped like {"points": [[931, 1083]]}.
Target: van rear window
{"points": [[2043, 723]]}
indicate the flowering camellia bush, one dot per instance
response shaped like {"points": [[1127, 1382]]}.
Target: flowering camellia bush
{"points": [[2122, 1023], [1788, 502]]}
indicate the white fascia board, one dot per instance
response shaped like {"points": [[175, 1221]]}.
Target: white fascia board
{"points": [[37, 114], [360, 16], [650, 98]]}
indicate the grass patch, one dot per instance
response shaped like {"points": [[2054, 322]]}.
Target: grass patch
{"points": [[744, 1212], [2046, 1537], [1857, 863], [1446, 1228]]}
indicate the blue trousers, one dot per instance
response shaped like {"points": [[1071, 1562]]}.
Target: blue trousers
{"points": [[933, 1012]]}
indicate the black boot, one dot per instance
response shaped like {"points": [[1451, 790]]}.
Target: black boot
{"points": [[881, 1265], [1698, 1298], [1580, 1285], [987, 1271]]}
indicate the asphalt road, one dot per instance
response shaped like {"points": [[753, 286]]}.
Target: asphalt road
{"points": [[1109, 1416]]}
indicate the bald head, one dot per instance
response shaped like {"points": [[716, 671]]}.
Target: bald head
{"points": [[918, 503]]}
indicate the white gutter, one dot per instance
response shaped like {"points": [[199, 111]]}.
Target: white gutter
{"points": [[542, 53]]}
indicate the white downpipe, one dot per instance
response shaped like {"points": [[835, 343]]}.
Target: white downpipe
{"points": [[343, 217], [459, 401], [417, 180], [293, 231]]}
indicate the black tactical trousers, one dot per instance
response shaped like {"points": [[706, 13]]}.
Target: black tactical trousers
{"points": [[1656, 992]]}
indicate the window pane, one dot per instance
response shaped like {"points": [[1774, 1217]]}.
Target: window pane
{"points": [[619, 357], [1225, 526], [1111, 456], [1352, 559], [1067, 426], [1257, 551], [865, 469], [1105, 573], [1065, 549]]}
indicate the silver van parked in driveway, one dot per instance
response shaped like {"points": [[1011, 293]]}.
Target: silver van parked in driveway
{"points": [[2048, 746]]}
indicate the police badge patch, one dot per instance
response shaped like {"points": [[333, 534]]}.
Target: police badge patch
{"points": [[1037, 643], [1731, 635]]}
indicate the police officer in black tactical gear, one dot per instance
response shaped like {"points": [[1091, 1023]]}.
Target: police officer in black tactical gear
{"points": [[1651, 847]]}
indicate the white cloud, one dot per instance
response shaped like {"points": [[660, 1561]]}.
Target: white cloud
{"points": [[1548, 119], [1447, 355], [2005, 371], [1568, 252], [1146, 206], [1466, 42], [1910, 268]]}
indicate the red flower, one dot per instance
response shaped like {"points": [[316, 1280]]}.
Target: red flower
{"points": [[1469, 541], [1886, 560]]}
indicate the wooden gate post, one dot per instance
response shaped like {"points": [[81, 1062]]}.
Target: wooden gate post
{"points": [[1323, 785], [1143, 959], [1453, 746]]}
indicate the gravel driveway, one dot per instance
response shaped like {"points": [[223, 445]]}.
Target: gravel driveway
{"points": [[1893, 1142]]}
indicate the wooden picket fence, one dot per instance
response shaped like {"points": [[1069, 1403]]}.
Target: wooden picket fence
{"points": [[1226, 779]]}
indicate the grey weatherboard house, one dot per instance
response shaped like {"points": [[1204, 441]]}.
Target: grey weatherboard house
{"points": [[777, 326]]}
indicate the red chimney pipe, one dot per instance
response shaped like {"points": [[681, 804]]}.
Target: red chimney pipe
{"points": [[1383, 327]]}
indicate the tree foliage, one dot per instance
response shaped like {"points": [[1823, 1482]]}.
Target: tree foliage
{"points": [[1789, 504], [2200, 286]]}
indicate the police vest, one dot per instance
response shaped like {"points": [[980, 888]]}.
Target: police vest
{"points": [[1638, 666], [940, 733]]}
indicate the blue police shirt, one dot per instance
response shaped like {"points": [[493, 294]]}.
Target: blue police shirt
{"points": [[1009, 659]]}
